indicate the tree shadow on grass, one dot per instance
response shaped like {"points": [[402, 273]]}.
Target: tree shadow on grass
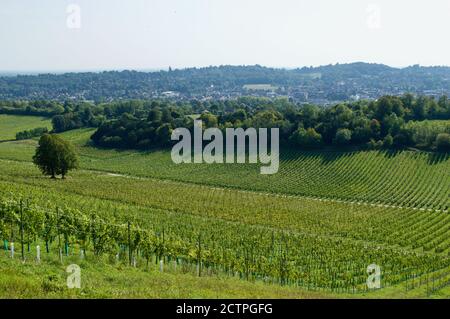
{"points": [[391, 153], [432, 158], [435, 158], [325, 155]]}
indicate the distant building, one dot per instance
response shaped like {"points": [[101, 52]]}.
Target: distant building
{"points": [[170, 94]]}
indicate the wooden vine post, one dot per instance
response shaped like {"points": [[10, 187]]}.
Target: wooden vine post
{"points": [[59, 234], [129, 244], [21, 230]]}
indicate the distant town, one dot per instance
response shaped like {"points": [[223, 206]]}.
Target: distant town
{"points": [[322, 85]]}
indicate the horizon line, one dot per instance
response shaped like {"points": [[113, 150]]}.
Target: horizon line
{"points": [[166, 68]]}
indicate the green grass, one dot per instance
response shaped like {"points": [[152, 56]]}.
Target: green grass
{"points": [[12, 124], [101, 279]]}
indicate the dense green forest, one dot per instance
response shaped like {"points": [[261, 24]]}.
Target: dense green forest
{"points": [[388, 122], [405, 121]]}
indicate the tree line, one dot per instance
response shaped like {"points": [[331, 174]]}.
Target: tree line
{"points": [[405, 121], [390, 121], [27, 134]]}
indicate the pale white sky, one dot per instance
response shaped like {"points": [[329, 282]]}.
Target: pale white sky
{"points": [[146, 34]]}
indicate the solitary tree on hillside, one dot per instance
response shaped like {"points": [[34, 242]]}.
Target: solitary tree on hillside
{"points": [[55, 156]]}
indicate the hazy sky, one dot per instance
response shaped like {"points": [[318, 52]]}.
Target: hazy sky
{"points": [[52, 35]]}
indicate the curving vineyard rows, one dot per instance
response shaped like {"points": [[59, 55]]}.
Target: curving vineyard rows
{"points": [[287, 240], [317, 224], [282, 257], [406, 227], [396, 178], [403, 178]]}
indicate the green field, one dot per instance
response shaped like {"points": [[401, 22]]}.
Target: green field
{"points": [[12, 124], [403, 178], [309, 231]]}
